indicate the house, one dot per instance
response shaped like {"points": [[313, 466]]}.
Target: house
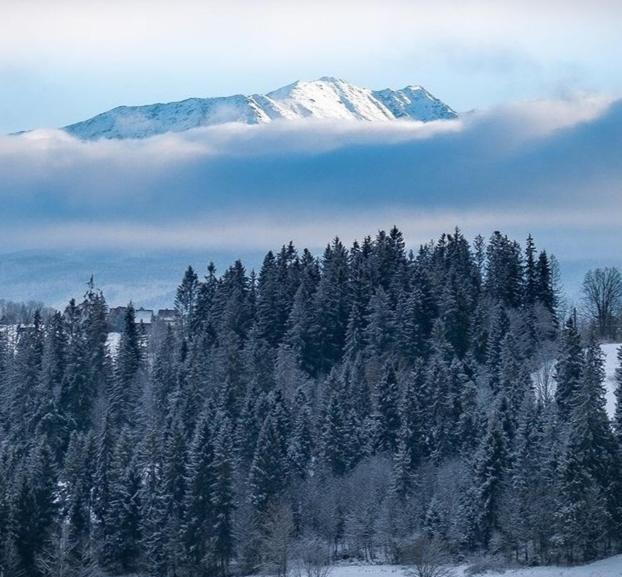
{"points": [[116, 318], [167, 316], [144, 316]]}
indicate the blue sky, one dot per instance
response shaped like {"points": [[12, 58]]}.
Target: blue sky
{"points": [[65, 60], [540, 155]]}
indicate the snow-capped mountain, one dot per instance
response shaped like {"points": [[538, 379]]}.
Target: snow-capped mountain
{"points": [[326, 98]]}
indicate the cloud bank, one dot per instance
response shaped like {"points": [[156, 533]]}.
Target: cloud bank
{"points": [[543, 165]]}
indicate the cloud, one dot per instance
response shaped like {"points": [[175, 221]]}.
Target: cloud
{"points": [[549, 166]]}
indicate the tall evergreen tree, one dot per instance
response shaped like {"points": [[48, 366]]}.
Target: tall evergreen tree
{"points": [[126, 386], [589, 461], [34, 508], [269, 471], [569, 368], [122, 538]]}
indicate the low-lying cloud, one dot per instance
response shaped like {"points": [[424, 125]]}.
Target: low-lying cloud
{"points": [[549, 166]]}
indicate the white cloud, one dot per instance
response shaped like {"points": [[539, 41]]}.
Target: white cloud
{"points": [[547, 166]]}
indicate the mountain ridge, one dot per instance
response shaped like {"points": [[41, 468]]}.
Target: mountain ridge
{"points": [[325, 98]]}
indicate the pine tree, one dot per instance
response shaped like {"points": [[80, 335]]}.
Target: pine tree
{"points": [[514, 377], [77, 480], [269, 473], [500, 325], [334, 436], [489, 470], [521, 506], [301, 444], [25, 377], [126, 386], [469, 426], [54, 362], [386, 412], [199, 511], [171, 518], [78, 388], [330, 308], [589, 460], [504, 272], [222, 494], [97, 360], [34, 507], [102, 491], [5, 510], [569, 369], [186, 297], [545, 290], [409, 336], [412, 433], [380, 329], [122, 538]]}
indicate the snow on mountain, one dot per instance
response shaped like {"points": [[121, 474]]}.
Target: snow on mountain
{"points": [[326, 98], [414, 102], [329, 98]]}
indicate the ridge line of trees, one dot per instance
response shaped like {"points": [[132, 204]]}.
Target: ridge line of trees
{"points": [[358, 403]]}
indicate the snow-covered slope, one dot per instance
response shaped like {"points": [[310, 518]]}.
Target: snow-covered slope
{"points": [[414, 102], [326, 98], [545, 376], [610, 351]]}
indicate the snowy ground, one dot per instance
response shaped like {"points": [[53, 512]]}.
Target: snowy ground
{"points": [[547, 372], [611, 363], [611, 567]]}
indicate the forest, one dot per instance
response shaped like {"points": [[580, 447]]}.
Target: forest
{"points": [[363, 405]]}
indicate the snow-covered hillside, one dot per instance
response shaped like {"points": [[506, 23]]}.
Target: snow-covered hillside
{"points": [[611, 364], [545, 377], [326, 98]]}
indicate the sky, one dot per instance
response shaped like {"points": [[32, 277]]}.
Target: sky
{"points": [[65, 60], [537, 149]]}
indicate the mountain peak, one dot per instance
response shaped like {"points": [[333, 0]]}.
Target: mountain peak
{"points": [[326, 98]]}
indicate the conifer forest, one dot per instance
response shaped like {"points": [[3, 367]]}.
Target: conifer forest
{"points": [[361, 405]]}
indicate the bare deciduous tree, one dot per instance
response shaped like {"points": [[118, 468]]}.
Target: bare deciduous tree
{"points": [[313, 558], [602, 293], [429, 559], [276, 539]]}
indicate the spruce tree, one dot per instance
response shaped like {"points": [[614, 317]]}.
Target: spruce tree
{"points": [[126, 385], [490, 467], [198, 501], [300, 449], [587, 468], [186, 297], [269, 472], [77, 481], [34, 508], [78, 389], [222, 494], [122, 537], [386, 411], [569, 369]]}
